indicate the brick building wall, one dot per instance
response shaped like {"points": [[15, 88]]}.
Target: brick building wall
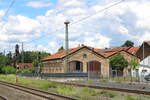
{"points": [[84, 57], [52, 66], [59, 66]]}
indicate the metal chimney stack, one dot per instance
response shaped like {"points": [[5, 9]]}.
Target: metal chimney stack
{"points": [[66, 45]]}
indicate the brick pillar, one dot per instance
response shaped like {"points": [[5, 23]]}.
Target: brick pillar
{"points": [[105, 68], [85, 67], [64, 68]]}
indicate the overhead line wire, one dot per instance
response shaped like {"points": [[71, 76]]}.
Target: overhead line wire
{"points": [[82, 19], [8, 9]]}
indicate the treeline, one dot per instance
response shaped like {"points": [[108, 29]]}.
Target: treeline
{"points": [[30, 56], [7, 60]]}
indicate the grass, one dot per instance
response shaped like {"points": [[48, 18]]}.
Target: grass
{"points": [[36, 83], [109, 94], [77, 92], [131, 98], [90, 91], [66, 90], [7, 78], [42, 84]]}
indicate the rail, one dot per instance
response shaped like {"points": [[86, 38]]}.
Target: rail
{"points": [[128, 90], [37, 92]]}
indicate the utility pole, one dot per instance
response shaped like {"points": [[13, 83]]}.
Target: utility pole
{"points": [[16, 60], [39, 61], [143, 63], [22, 53], [66, 45]]}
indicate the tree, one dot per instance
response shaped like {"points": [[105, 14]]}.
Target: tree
{"points": [[118, 62], [30, 56], [29, 70], [3, 61], [9, 70], [133, 65], [61, 48], [44, 54], [9, 58], [128, 43], [35, 63]]}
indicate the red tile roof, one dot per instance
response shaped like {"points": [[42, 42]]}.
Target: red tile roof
{"points": [[133, 50], [110, 52], [24, 65], [97, 49], [107, 54], [119, 49], [61, 53], [102, 52]]}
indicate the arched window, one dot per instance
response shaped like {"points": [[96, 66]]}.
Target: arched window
{"points": [[75, 66]]}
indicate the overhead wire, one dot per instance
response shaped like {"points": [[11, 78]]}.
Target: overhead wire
{"points": [[82, 19], [6, 12], [8, 9]]}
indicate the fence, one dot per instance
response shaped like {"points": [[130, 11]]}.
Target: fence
{"points": [[61, 75], [90, 76]]}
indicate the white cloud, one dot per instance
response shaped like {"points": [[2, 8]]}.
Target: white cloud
{"points": [[123, 30], [143, 15], [97, 40], [33, 47], [144, 37], [74, 3], [74, 43], [70, 3], [43, 48], [38, 4], [53, 45], [19, 28], [76, 11], [130, 19], [22, 24], [1, 14]]}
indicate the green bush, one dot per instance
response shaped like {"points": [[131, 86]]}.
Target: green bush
{"points": [[89, 91], [110, 94], [28, 70], [9, 70], [53, 85], [130, 98], [65, 90]]}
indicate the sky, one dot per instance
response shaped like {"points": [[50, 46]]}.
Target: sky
{"points": [[39, 24]]}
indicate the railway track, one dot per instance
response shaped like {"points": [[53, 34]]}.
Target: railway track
{"points": [[128, 90], [40, 93]]}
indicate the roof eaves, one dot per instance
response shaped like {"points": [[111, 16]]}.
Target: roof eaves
{"points": [[72, 53], [51, 59], [121, 51], [87, 48]]}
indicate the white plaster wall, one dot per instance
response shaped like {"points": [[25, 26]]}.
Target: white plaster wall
{"points": [[146, 62]]}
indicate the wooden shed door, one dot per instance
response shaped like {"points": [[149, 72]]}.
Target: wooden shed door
{"points": [[94, 68]]}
